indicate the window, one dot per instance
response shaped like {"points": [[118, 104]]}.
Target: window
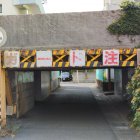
{"points": [[0, 8]]}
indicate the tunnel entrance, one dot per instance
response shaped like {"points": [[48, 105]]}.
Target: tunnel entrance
{"points": [[29, 88], [31, 75], [64, 46], [42, 107]]}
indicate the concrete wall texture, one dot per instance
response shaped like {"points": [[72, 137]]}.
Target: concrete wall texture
{"points": [[65, 30], [21, 83], [25, 97], [55, 82], [118, 81], [84, 77], [42, 85], [28, 87]]}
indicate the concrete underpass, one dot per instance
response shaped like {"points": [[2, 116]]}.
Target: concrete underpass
{"points": [[76, 112], [44, 109]]}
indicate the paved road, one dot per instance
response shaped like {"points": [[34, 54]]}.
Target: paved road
{"points": [[77, 112]]}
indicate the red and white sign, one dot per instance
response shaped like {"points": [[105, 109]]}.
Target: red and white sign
{"points": [[77, 58], [12, 59], [44, 58], [110, 57]]}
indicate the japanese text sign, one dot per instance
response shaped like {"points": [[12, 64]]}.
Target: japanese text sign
{"points": [[44, 58], [110, 57], [77, 58], [12, 59]]}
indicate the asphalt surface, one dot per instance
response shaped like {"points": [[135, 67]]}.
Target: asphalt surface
{"points": [[77, 112]]}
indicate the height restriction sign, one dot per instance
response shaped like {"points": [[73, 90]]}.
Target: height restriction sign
{"points": [[44, 58], [110, 57], [77, 58]]}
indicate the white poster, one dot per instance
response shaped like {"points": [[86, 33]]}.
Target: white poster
{"points": [[77, 58], [12, 59], [44, 58], [110, 57]]}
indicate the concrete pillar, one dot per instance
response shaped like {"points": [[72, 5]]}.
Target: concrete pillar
{"points": [[37, 84], [118, 81], [124, 80], [42, 84], [55, 80]]}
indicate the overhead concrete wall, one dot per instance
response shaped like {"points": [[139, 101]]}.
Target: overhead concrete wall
{"points": [[64, 30]]}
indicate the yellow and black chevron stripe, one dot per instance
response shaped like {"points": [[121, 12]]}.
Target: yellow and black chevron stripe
{"points": [[128, 51], [127, 63], [94, 51], [60, 52], [61, 64], [93, 64], [26, 53], [28, 65]]}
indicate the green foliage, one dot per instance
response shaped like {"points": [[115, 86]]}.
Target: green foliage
{"points": [[136, 120], [133, 88], [129, 21]]}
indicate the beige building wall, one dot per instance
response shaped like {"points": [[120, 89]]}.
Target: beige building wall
{"points": [[8, 8], [113, 4], [32, 9]]}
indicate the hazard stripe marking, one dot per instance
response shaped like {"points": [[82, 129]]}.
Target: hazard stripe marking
{"points": [[127, 63], [61, 58]]}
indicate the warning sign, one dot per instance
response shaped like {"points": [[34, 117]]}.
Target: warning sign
{"points": [[12, 59], [44, 58], [77, 58], [110, 57]]}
